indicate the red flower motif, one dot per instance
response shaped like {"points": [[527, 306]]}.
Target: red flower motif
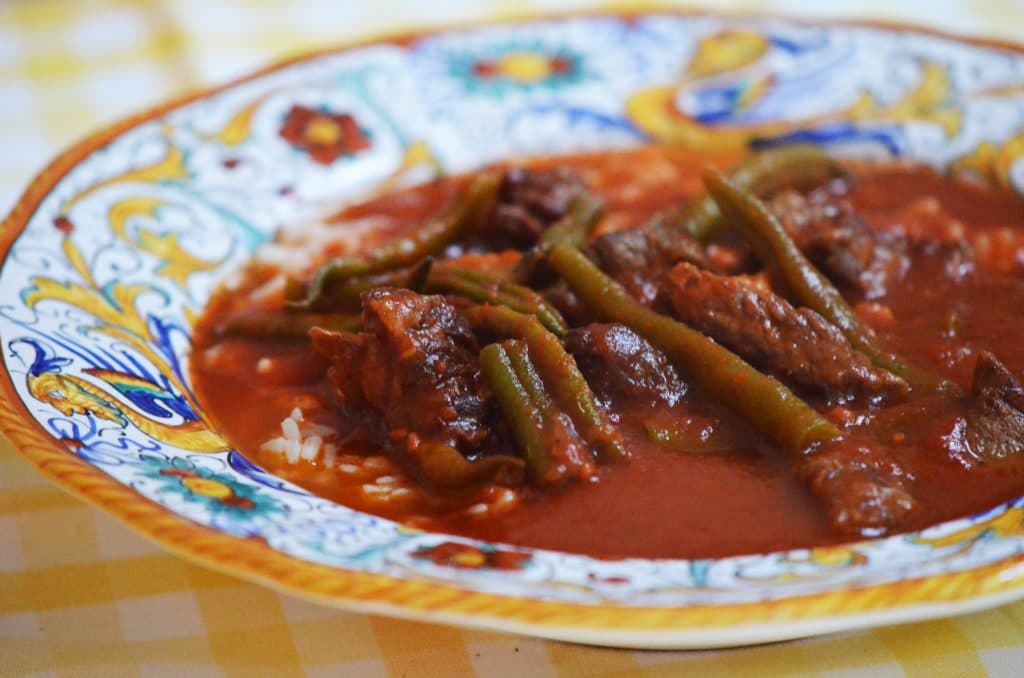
{"points": [[240, 502], [64, 225], [454, 554], [323, 135], [560, 64], [486, 69]]}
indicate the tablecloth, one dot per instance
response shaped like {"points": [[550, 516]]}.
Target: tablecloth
{"points": [[82, 595]]}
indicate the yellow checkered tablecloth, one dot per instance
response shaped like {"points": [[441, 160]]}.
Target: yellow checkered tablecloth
{"points": [[83, 595]]}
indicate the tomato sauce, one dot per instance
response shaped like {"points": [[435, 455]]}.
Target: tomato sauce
{"points": [[660, 504]]}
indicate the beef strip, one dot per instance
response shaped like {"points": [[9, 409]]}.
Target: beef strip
{"points": [[529, 202], [995, 420], [416, 363], [863, 491], [860, 260], [638, 257], [795, 344], [620, 364]]}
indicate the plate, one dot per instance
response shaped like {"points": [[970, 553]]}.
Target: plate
{"points": [[115, 247]]}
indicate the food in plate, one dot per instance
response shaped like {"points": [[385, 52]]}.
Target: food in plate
{"points": [[650, 352]]}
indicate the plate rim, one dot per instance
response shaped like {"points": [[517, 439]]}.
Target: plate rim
{"points": [[690, 626]]}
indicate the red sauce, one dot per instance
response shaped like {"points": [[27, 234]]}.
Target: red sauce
{"points": [[664, 504]]}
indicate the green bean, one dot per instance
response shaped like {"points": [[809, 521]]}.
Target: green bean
{"points": [[446, 467], [525, 417], [347, 295], [407, 250], [503, 321], [804, 283], [284, 326], [570, 454], [584, 213], [561, 375], [800, 167], [766, 403], [485, 288], [526, 372], [573, 394]]}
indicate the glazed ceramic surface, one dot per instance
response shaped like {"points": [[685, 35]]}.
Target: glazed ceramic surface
{"points": [[113, 251]]}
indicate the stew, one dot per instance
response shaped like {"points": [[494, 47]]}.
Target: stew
{"points": [[639, 353]]}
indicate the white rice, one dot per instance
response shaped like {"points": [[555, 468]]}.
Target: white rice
{"points": [[311, 448], [278, 256], [290, 429], [291, 451], [330, 454], [318, 430], [275, 445], [375, 477], [505, 499], [267, 290], [376, 463], [212, 356], [302, 440]]}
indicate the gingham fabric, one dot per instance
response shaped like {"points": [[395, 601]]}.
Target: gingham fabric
{"points": [[81, 595]]}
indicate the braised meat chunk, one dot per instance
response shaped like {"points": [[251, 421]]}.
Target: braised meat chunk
{"points": [[416, 364], [620, 364], [638, 257], [795, 344], [863, 491], [529, 202], [859, 259], [995, 419]]}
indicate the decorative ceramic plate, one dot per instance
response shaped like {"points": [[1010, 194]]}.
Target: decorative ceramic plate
{"points": [[115, 248]]}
